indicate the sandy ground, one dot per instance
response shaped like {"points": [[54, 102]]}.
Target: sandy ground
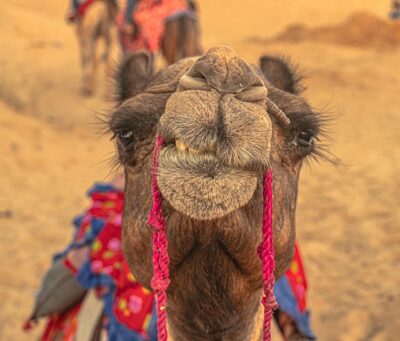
{"points": [[348, 215]]}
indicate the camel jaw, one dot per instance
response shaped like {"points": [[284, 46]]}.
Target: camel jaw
{"points": [[200, 186]]}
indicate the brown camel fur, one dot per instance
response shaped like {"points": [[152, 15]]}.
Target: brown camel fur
{"points": [[220, 138]]}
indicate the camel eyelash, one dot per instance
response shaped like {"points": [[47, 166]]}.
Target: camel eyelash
{"points": [[319, 124], [305, 121]]}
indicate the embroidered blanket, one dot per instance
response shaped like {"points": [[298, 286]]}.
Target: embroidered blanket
{"points": [[150, 17], [128, 306]]}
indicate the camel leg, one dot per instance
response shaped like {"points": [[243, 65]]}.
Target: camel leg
{"points": [[111, 54], [88, 62], [190, 32], [171, 41]]}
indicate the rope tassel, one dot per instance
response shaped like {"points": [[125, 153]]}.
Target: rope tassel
{"points": [[266, 253], [160, 280]]}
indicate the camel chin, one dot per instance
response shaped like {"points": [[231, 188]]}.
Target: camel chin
{"points": [[199, 186]]}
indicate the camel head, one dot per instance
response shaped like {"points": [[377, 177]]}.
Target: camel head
{"points": [[222, 129]]}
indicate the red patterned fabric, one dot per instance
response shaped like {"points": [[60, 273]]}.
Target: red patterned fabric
{"points": [[133, 303], [130, 307], [62, 327], [150, 17], [297, 279]]}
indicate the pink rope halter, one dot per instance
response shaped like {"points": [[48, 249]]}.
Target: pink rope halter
{"points": [[161, 280]]}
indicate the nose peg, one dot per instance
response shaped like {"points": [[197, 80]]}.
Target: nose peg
{"points": [[277, 113]]}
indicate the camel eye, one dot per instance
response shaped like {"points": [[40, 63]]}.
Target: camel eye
{"points": [[306, 138], [124, 138]]}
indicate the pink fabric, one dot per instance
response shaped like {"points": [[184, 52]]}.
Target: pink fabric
{"points": [[150, 16], [83, 7], [160, 280]]}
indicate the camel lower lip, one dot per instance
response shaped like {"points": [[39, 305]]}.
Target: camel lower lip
{"points": [[201, 187]]}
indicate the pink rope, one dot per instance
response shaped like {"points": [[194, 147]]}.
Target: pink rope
{"points": [[160, 280], [266, 253]]}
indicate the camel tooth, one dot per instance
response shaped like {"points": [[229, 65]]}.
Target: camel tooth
{"points": [[180, 145], [182, 148]]}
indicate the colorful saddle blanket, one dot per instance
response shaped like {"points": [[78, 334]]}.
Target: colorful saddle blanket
{"points": [[128, 307], [290, 292], [150, 17]]}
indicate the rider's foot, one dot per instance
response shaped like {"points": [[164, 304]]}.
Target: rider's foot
{"points": [[128, 29], [395, 15], [71, 16]]}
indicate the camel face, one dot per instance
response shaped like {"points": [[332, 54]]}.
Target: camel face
{"points": [[220, 138], [217, 132], [215, 114]]}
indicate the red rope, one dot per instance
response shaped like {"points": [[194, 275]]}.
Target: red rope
{"points": [[160, 280], [266, 253]]}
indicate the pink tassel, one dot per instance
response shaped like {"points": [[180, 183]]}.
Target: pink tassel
{"points": [[266, 253], [160, 280], [28, 325]]}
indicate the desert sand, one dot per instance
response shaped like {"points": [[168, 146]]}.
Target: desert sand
{"points": [[51, 150]]}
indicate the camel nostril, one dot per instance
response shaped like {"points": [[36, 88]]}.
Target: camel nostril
{"points": [[254, 94], [189, 82]]}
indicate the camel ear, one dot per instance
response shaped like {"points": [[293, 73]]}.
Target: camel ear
{"points": [[133, 75], [280, 74]]}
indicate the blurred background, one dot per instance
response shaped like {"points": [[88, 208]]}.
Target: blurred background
{"points": [[348, 215]]}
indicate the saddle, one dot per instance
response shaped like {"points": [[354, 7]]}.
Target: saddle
{"points": [[150, 17]]}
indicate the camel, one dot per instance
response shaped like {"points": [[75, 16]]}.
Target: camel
{"points": [[97, 23], [181, 39], [220, 137]]}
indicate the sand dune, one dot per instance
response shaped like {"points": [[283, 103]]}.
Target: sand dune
{"points": [[348, 216], [362, 30]]}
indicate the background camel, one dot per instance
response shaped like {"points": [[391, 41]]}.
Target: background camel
{"points": [[181, 39], [212, 113], [97, 23]]}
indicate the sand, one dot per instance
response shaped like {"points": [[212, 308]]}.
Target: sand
{"points": [[348, 215], [361, 29]]}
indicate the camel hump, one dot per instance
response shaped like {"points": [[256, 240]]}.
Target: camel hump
{"points": [[225, 71]]}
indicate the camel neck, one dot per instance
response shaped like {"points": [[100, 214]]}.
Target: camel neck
{"points": [[248, 329]]}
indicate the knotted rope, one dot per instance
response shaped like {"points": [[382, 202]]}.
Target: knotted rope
{"points": [[266, 253], [161, 280]]}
